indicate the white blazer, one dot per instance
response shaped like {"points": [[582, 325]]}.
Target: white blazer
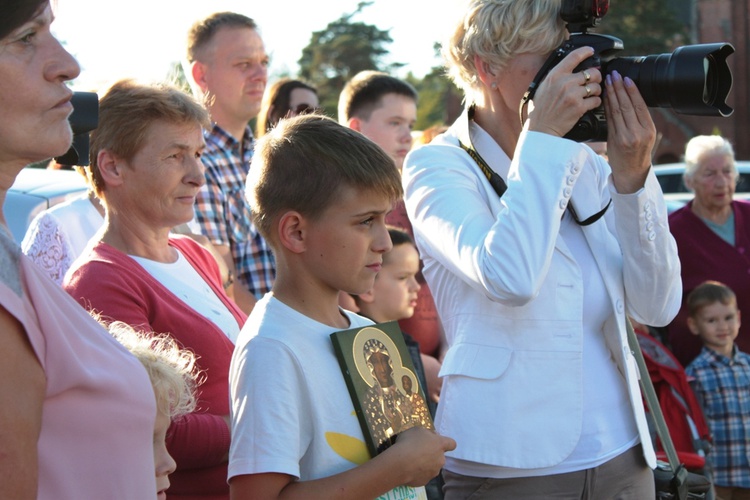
{"points": [[510, 294]]}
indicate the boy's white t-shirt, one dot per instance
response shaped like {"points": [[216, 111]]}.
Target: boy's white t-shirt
{"points": [[291, 409]]}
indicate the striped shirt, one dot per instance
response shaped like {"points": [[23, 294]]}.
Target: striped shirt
{"points": [[223, 213], [723, 385]]}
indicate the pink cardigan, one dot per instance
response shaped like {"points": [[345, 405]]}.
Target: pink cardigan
{"points": [[113, 284]]}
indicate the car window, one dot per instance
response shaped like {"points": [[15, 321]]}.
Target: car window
{"points": [[672, 183], [743, 185]]}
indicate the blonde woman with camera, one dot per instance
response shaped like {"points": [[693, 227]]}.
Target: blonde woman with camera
{"points": [[536, 249]]}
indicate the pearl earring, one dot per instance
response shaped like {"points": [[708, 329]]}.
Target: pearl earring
{"points": [[493, 86]]}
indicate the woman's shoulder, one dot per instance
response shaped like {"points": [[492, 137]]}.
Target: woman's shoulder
{"points": [[10, 253], [678, 217], [741, 206]]}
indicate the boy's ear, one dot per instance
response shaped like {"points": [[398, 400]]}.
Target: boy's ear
{"points": [[110, 167], [692, 325], [291, 228], [354, 123]]}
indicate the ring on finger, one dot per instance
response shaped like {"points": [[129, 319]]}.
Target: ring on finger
{"points": [[586, 75], [588, 90]]}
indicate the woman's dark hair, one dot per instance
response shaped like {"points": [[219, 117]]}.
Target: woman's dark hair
{"points": [[17, 12], [275, 105]]}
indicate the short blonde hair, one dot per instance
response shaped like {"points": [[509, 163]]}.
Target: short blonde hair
{"points": [[203, 31], [496, 31], [172, 370], [702, 146]]}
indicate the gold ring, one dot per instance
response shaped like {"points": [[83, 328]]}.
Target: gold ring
{"points": [[586, 76], [588, 90]]}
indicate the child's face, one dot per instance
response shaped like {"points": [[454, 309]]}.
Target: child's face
{"points": [[165, 464], [390, 126], [396, 287], [344, 247], [717, 325]]}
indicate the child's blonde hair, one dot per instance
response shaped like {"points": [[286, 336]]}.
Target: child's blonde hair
{"points": [[172, 370]]}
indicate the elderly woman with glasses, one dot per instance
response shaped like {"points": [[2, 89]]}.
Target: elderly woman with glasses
{"points": [[536, 251]]}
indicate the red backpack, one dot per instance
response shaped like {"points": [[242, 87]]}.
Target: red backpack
{"points": [[682, 411]]}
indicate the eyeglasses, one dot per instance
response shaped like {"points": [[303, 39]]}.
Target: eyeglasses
{"points": [[303, 109]]}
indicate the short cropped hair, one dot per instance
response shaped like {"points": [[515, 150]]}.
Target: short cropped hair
{"points": [[363, 93], [203, 31], [707, 293], [702, 146], [172, 370], [498, 30], [303, 163], [398, 237], [276, 100], [125, 113]]}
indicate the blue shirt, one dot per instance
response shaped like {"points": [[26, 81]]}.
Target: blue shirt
{"points": [[723, 384]]}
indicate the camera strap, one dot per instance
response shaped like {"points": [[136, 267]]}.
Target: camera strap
{"points": [[553, 59], [497, 182]]}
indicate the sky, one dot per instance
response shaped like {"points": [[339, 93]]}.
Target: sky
{"points": [[142, 38]]}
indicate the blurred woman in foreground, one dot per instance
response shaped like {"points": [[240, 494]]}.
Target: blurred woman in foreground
{"points": [[78, 409]]}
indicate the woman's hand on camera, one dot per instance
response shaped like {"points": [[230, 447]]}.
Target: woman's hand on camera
{"points": [[631, 133], [563, 96]]}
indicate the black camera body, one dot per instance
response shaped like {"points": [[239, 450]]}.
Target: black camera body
{"points": [[83, 119], [693, 80]]}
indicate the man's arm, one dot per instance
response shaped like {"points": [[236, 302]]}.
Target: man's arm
{"points": [[241, 295]]}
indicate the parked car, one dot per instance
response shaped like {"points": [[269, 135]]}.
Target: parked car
{"points": [[35, 190], [677, 194]]}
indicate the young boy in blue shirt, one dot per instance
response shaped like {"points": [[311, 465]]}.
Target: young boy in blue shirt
{"points": [[319, 194], [722, 384]]}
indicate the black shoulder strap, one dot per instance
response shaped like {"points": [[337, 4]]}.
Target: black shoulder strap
{"points": [[497, 182]]}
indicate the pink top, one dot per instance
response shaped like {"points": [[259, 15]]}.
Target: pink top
{"points": [[96, 439]]}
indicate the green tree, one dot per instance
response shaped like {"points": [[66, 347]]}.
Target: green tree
{"points": [[340, 51], [645, 26], [177, 77], [436, 91]]}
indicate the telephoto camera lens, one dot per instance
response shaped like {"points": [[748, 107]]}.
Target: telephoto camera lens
{"points": [[693, 80]]}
